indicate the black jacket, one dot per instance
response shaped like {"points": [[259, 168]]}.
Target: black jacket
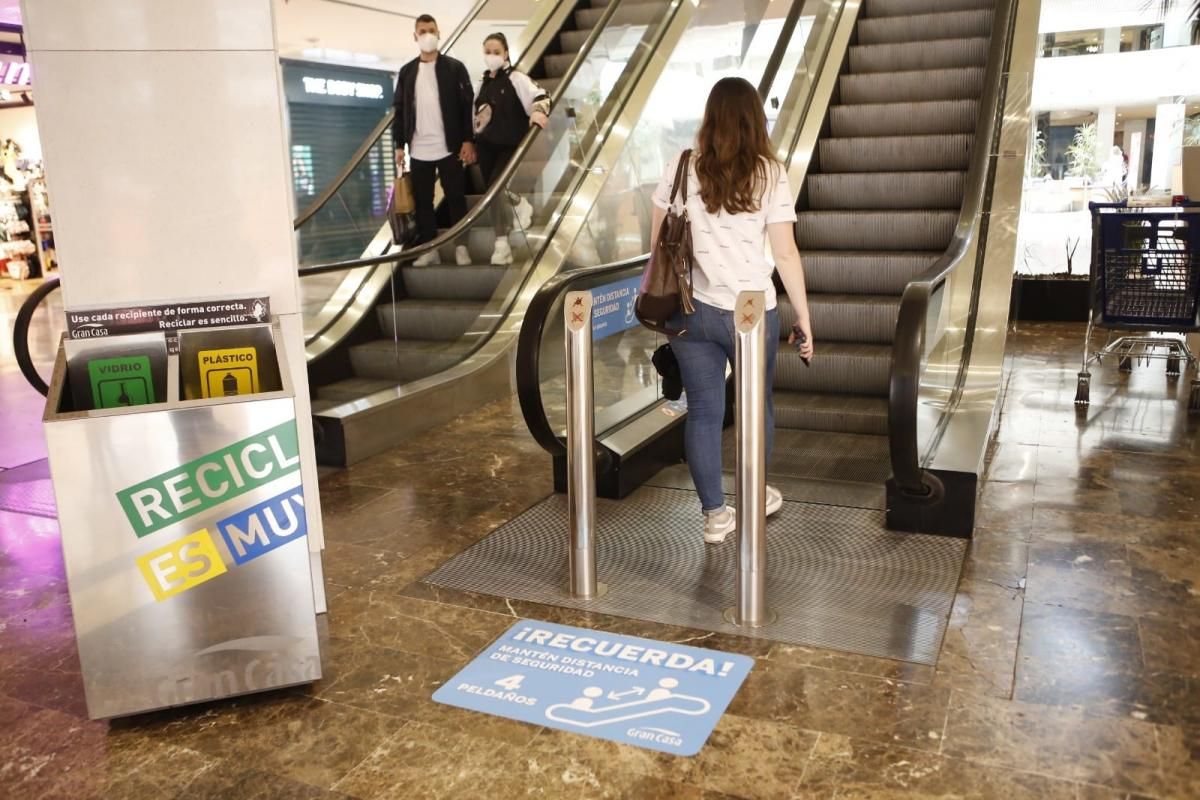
{"points": [[456, 96], [503, 106]]}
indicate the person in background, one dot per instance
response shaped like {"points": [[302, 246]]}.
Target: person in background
{"points": [[738, 197], [433, 105], [507, 103]]}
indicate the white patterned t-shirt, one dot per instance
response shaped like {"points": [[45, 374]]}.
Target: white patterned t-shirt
{"points": [[730, 249]]}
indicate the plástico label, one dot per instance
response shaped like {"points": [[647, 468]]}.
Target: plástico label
{"points": [[657, 695], [210, 480], [228, 372], [119, 382]]}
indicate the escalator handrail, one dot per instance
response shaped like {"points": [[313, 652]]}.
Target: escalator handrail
{"points": [[529, 349], [21, 334], [376, 133], [498, 185], [908, 349]]}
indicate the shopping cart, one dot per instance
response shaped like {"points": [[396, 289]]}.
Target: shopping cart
{"points": [[1145, 277]]}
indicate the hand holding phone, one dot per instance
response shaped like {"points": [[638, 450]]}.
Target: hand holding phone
{"points": [[798, 340]]}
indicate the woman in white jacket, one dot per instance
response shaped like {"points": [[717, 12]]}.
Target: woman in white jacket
{"points": [[507, 103]]}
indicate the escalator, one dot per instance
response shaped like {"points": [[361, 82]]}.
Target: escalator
{"points": [[395, 348], [896, 153]]}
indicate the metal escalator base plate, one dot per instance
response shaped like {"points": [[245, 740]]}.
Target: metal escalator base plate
{"points": [[835, 576]]}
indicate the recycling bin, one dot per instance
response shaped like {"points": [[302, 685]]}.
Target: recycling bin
{"points": [[183, 526]]}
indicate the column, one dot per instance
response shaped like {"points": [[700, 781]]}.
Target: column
{"points": [[162, 126], [1168, 144], [1106, 128], [1112, 40], [1134, 145]]}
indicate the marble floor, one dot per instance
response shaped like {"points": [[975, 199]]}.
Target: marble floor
{"points": [[1071, 668]]}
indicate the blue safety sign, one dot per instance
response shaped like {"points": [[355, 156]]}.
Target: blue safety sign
{"points": [[612, 307], [656, 695]]}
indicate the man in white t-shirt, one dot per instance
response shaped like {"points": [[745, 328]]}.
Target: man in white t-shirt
{"points": [[434, 106]]}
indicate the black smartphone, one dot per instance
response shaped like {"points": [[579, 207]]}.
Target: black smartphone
{"points": [[800, 340]]}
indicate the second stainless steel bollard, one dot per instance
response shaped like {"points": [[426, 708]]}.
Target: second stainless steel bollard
{"points": [[750, 376], [581, 449]]}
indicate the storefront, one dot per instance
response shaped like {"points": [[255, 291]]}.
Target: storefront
{"points": [[26, 235], [332, 110]]}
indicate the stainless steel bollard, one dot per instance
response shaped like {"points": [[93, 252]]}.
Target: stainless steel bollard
{"points": [[581, 452], [750, 375]]}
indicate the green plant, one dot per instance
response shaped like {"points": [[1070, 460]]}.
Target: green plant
{"points": [[1081, 155], [1191, 131], [1071, 246], [1192, 15], [1037, 167]]}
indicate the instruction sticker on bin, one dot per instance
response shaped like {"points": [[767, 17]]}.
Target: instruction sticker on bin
{"points": [[119, 382], [656, 695], [228, 372]]}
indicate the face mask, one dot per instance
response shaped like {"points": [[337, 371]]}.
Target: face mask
{"points": [[428, 42], [493, 61]]}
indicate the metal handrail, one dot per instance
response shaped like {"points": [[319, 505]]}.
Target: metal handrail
{"points": [[498, 185], [373, 137], [21, 334], [908, 348]]}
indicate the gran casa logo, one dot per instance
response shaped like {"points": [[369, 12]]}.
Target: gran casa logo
{"points": [[203, 484]]}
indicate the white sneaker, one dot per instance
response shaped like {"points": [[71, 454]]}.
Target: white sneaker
{"points": [[432, 258], [524, 214], [502, 255], [462, 256], [719, 524], [774, 500]]}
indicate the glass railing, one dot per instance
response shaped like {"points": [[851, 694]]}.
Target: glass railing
{"points": [[352, 221], [617, 231], [529, 203]]}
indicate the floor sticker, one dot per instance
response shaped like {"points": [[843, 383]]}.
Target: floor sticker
{"points": [[652, 694]]}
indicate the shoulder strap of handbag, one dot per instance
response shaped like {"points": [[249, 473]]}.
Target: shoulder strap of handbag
{"points": [[681, 176]]}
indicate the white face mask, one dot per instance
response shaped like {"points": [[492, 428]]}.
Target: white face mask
{"points": [[428, 42], [493, 61]]}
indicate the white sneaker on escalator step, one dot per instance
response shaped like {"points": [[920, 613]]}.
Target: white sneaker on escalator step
{"points": [[430, 259], [719, 524], [774, 500], [524, 214], [502, 256], [462, 256]]}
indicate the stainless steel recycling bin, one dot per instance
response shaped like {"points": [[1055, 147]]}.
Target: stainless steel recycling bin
{"points": [[185, 539]]}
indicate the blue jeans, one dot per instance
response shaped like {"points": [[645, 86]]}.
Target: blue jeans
{"points": [[703, 352]]}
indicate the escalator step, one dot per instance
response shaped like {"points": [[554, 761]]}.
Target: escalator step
{"points": [[898, 8], [475, 282], [924, 27], [429, 320], [939, 54], [912, 86], [405, 360], [895, 119], [646, 12], [895, 153], [838, 368], [875, 230], [572, 41], [851, 272], [557, 65], [878, 190], [865, 318], [549, 84], [835, 413]]}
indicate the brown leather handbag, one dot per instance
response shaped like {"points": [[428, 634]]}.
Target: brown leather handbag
{"points": [[667, 280]]}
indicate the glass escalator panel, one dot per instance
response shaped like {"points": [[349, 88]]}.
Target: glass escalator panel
{"points": [[722, 40]]}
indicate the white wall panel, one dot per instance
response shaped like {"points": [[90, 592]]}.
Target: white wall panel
{"points": [[142, 25], [181, 186]]}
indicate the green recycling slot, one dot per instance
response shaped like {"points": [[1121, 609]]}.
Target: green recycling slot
{"points": [[121, 381]]}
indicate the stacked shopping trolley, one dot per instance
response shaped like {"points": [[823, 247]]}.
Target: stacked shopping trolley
{"points": [[1145, 289]]}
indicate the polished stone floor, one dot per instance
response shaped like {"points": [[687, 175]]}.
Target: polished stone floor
{"points": [[1071, 668]]}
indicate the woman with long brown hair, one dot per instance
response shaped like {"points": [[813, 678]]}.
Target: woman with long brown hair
{"points": [[743, 200]]}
